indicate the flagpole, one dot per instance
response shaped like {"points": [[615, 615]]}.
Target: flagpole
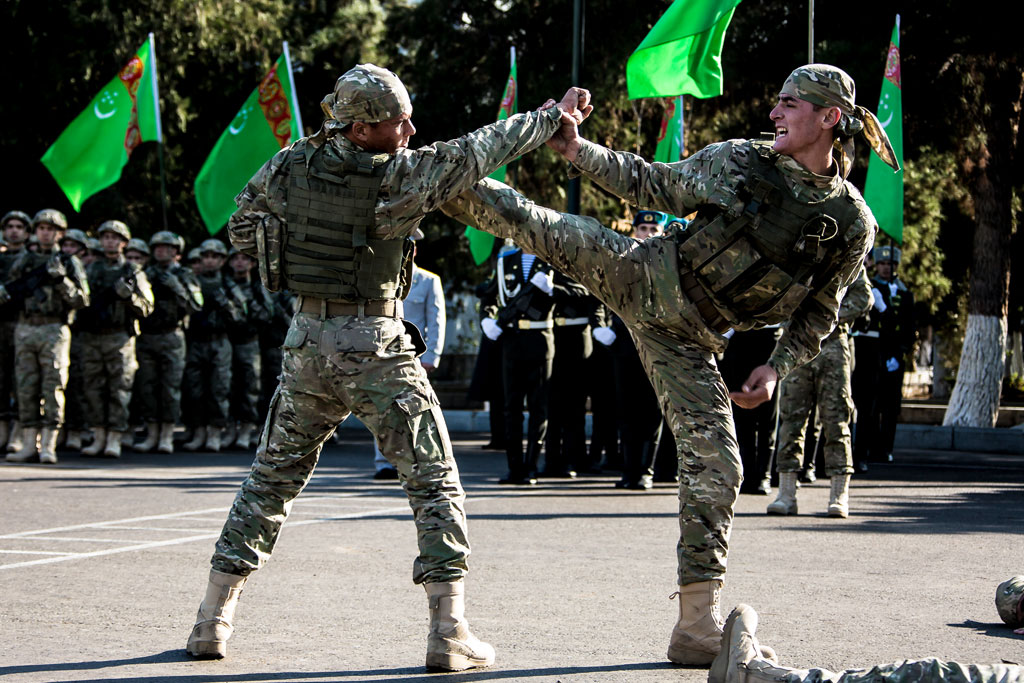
{"points": [[810, 31], [573, 198], [512, 64], [291, 82], [159, 131]]}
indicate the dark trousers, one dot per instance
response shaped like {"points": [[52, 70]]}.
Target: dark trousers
{"points": [[878, 395], [567, 412], [526, 371], [640, 418], [604, 438]]}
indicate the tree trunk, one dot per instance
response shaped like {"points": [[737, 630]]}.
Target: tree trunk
{"points": [[975, 399]]}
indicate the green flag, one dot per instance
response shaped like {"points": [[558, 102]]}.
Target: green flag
{"points": [[266, 122], [883, 189], [670, 138], [481, 243], [682, 55], [90, 153]]}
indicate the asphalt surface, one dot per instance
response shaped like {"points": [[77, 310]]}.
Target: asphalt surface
{"points": [[103, 564]]}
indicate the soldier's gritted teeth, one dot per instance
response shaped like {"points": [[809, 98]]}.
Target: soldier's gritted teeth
{"points": [[797, 124]]}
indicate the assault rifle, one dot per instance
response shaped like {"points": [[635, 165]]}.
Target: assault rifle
{"points": [[29, 284]]}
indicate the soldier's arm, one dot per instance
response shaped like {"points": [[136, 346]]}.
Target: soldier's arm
{"points": [[262, 307], [74, 286], [141, 299], [436, 320], [857, 300], [816, 317], [257, 202]]}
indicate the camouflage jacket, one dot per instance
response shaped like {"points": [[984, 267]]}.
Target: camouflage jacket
{"points": [[259, 311], [57, 297], [109, 310], [176, 293]]}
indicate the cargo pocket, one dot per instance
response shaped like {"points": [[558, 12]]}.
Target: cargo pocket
{"points": [[415, 408], [295, 338]]}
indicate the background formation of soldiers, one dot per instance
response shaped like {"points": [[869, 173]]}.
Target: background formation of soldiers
{"points": [[100, 335]]}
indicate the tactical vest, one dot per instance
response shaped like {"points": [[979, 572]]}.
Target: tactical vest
{"points": [[758, 263], [327, 251], [46, 300], [168, 313]]}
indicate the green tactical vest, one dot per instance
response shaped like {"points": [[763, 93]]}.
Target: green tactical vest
{"points": [[758, 263], [107, 310], [328, 251]]}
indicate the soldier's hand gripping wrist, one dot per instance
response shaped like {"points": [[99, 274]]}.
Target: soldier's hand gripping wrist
{"points": [[576, 102], [758, 388], [55, 267], [122, 288]]}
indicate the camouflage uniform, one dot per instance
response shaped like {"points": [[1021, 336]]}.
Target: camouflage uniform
{"points": [[207, 381], [824, 381], [8, 321], [644, 283], [336, 365], [161, 346], [245, 350]]}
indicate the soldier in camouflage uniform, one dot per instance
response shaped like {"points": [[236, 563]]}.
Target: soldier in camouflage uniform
{"points": [[75, 243], [121, 295], [272, 336], [245, 350], [161, 347], [779, 235], [824, 381], [207, 379], [346, 199], [42, 339], [14, 228], [742, 660]]}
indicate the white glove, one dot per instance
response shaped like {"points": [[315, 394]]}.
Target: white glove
{"points": [[491, 328], [893, 288], [545, 282], [892, 365], [605, 335], [879, 303], [728, 333]]}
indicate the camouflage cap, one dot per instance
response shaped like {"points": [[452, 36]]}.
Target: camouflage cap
{"points": [[1010, 601], [15, 215], [119, 228], [214, 245], [76, 235], [824, 85], [51, 216], [659, 218], [886, 253], [165, 237], [136, 244], [366, 93]]}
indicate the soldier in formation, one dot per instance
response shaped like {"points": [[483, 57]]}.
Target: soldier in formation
{"points": [[14, 228]]}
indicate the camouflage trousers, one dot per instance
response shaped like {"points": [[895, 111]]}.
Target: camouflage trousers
{"points": [[824, 382], [8, 404], [207, 381], [921, 671], [640, 282], [158, 382], [109, 366], [41, 358], [333, 368], [245, 381]]}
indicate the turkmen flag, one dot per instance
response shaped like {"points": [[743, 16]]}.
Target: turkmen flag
{"points": [[670, 138], [883, 189], [266, 122], [481, 243], [90, 153], [682, 55]]}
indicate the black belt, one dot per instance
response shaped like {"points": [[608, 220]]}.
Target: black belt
{"points": [[695, 293]]}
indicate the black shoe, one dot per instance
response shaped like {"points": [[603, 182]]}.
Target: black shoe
{"points": [[386, 473], [861, 466], [492, 446], [509, 480], [558, 474]]}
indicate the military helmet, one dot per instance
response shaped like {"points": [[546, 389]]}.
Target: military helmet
{"points": [[136, 244], [659, 218], [367, 93], [12, 215], [181, 243], [116, 227], [886, 253], [76, 235], [165, 237], [51, 216], [1010, 601], [214, 245], [194, 255], [94, 244]]}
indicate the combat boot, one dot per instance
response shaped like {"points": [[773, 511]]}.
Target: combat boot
{"points": [[697, 635], [450, 645], [127, 438], [742, 658], [48, 445], [114, 442], [213, 439], [152, 434], [99, 439], [198, 439], [785, 503], [245, 431], [15, 442], [839, 499], [74, 440], [28, 450], [227, 436], [209, 637], [166, 444]]}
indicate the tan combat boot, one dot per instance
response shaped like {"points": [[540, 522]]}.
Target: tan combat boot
{"points": [[74, 440], [166, 444], [742, 658], [697, 635], [198, 439], [99, 439], [839, 499], [245, 432], [450, 645], [213, 439], [785, 504], [48, 445], [114, 442], [28, 450], [152, 435], [209, 637], [227, 436], [14, 443]]}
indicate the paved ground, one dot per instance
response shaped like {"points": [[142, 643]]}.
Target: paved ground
{"points": [[102, 566]]}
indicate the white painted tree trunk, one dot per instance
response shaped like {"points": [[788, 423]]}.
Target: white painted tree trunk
{"points": [[975, 399]]}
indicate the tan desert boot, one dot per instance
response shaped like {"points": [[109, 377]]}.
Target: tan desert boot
{"points": [[227, 436], [166, 444], [48, 445], [15, 442], [99, 439], [742, 658], [114, 441], [152, 435], [785, 503], [198, 439], [209, 637], [28, 450], [839, 499], [213, 442], [450, 645], [697, 635], [245, 432], [74, 440]]}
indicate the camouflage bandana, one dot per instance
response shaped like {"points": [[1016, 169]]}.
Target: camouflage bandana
{"points": [[824, 85], [1009, 597], [365, 93]]}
